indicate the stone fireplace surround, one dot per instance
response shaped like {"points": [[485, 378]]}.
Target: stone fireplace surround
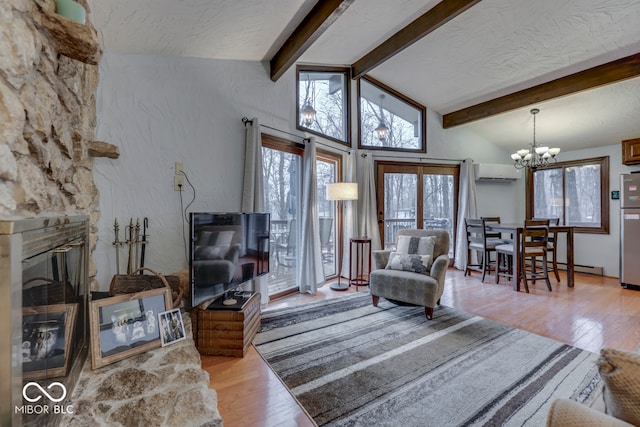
{"points": [[165, 386], [48, 79]]}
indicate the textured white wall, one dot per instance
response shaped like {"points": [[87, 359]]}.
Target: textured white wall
{"points": [[159, 110]]}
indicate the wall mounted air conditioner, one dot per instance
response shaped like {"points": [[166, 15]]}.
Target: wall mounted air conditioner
{"points": [[496, 172]]}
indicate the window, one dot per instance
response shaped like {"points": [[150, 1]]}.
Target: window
{"points": [[323, 101], [282, 169], [574, 191], [328, 171], [283, 174], [389, 120], [414, 195]]}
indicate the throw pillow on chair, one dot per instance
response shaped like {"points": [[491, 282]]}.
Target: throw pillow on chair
{"points": [[415, 263]]}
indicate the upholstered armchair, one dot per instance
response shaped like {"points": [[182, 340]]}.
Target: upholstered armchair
{"points": [[415, 272]]}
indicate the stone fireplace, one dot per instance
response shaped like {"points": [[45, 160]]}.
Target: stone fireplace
{"points": [[48, 81], [48, 199]]}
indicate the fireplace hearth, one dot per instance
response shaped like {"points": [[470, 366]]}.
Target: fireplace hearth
{"points": [[43, 316]]}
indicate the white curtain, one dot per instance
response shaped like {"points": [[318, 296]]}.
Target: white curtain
{"points": [[368, 206], [310, 274], [253, 189], [349, 213], [466, 209]]}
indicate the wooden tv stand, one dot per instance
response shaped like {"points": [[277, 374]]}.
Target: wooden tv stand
{"points": [[224, 332]]}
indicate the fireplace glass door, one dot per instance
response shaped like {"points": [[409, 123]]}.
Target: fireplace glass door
{"points": [[53, 301], [43, 315]]}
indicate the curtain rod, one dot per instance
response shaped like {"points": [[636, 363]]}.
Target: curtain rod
{"points": [[246, 120], [410, 158]]}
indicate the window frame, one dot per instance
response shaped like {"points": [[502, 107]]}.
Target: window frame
{"points": [[603, 162], [393, 93], [347, 101], [336, 159], [419, 169]]}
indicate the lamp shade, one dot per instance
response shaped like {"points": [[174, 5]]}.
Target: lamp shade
{"points": [[342, 191]]}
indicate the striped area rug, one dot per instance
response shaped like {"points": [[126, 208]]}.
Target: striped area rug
{"points": [[351, 364]]}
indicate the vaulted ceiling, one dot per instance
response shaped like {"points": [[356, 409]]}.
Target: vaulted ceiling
{"points": [[479, 64]]}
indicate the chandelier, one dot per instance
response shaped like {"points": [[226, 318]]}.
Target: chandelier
{"points": [[536, 156], [382, 130], [308, 114], [307, 111]]}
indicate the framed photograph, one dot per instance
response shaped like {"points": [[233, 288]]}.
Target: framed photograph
{"points": [[171, 326], [126, 325], [47, 332]]}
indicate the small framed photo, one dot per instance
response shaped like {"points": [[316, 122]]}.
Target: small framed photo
{"points": [[171, 326], [47, 332], [126, 325]]}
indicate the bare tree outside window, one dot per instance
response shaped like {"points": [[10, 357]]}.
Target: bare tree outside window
{"points": [[322, 103], [574, 191], [416, 196], [380, 106]]}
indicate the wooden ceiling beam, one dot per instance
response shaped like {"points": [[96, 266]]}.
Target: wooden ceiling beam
{"points": [[317, 21], [437, 16], [611, 72]]}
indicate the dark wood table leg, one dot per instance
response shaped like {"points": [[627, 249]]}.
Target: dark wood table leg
{"points": [[570, 267], [517, 262]]}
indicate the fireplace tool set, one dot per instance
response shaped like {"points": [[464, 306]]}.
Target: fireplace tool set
{"points": [[135, 240]]}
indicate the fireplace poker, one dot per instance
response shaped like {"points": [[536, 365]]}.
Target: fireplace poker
{"points": [[116, 243], [137, 243], [145, 225], [129, 232]]}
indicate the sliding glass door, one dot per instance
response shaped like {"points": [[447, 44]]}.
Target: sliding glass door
{"points": [[282, 169], [416, 196], [328, 171], [283, 174]]}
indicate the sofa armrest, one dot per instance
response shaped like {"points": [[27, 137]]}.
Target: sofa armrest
{"points": [[380, 258]]}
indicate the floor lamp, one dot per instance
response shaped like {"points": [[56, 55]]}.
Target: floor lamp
{"points": [[340, 191]]}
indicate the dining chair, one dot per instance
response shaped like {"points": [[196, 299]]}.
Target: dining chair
{"points": [[535, 236], [505, 253], [551, 247], [492, 234], [477, 241]]}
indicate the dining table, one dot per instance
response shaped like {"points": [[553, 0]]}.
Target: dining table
{"points": [[515, 230]]}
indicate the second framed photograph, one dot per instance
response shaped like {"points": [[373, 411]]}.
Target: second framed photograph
{"points": [[171, 326], [125, 325]]}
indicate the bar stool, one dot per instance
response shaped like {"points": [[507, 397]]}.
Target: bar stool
{"points": [[478, 241], [551, 247], [535, 244], [504, 261]]}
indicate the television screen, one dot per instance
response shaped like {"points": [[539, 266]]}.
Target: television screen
{"points": [[227, 250]]}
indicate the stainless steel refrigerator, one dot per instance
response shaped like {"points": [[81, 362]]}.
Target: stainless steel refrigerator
{"points": [[630, 229]]}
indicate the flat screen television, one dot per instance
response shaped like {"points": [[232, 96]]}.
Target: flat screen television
{"points": [[227, 250]]}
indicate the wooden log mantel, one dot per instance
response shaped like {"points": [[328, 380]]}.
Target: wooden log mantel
{"points": [[74, 40], [103, 149]]}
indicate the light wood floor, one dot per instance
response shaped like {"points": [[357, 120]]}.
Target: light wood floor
{"points": [[596, 313]]}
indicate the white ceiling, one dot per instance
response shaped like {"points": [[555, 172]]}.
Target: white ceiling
{"points": [[495, 48]]}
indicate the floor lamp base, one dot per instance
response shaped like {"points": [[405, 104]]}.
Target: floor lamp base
{"points": [[339, 286]]}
